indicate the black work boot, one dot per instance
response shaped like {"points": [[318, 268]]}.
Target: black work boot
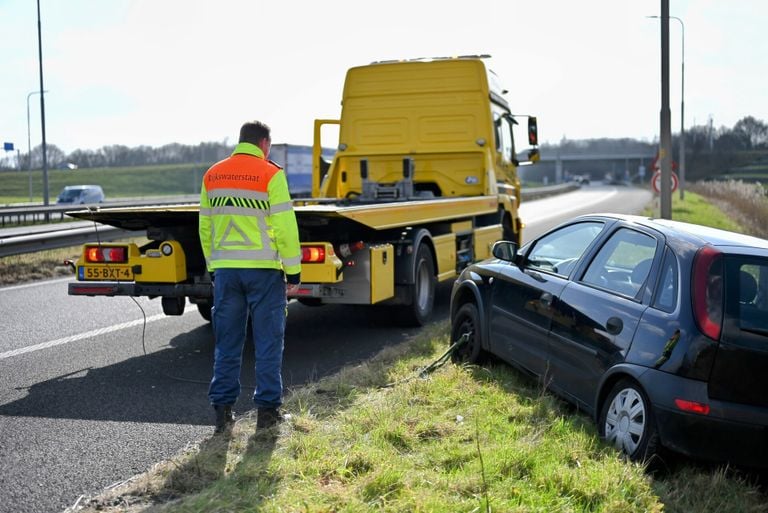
{"points": [[225, 419], [267, 417]]}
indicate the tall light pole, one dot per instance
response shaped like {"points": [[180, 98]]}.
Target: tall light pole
{"points": [[665, 129], [29, 145], [681, 156], [42, 108]]}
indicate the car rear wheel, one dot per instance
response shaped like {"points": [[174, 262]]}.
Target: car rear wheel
{"points": [[626, 421], [467, 322]]}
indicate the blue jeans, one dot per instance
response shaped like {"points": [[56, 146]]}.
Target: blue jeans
{"points": [[237, 292]]}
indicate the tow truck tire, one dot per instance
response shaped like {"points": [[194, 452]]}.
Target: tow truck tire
{"points": [[422, 292], [173, 305], [507, 229], [205, 310]]}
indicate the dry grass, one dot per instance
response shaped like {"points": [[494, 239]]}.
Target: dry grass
{"points": [[43, 265], [743, 202], [37, 266]]}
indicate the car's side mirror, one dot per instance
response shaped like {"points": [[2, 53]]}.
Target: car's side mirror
{"points": [[505, 250]]}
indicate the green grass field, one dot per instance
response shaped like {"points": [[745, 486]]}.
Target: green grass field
{"points": [[697, 209], [117, 182]]}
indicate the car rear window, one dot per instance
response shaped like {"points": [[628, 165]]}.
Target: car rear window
{"points": [[739, 369], [748, 288]]}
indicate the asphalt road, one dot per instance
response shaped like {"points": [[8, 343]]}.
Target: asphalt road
{"points": [[90, 397]]}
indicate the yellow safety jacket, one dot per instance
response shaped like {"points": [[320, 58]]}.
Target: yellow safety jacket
{"points": [[246, 216]]}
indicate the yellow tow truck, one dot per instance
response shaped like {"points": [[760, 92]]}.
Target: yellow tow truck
{"points": [[423, 182]]}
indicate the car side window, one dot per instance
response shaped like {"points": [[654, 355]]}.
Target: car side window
{"points": [[666, 293], [623, 263], [559, 251]]}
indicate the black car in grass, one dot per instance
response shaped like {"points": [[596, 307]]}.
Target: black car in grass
{"points": [[657, 328]]}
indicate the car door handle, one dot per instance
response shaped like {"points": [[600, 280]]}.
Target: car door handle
{"points": [[614, 325]]}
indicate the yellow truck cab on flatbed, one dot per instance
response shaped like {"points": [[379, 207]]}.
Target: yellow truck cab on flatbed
{"points": [[423, 182]]}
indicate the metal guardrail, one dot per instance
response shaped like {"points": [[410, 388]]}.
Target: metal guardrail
{"points": [[13, 242], [33, 213], [28, 239], [548, 190]]}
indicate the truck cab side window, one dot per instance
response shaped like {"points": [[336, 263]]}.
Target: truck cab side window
{"points": [[507, 140]]}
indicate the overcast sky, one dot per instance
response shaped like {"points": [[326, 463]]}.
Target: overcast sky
{"points": [[152, 72]]}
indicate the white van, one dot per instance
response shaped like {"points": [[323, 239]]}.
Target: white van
{"points": [[80, 194]]}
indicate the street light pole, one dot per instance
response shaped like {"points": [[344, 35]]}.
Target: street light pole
{"points": [[681, 148], [29, 145], [682, 107], [42, 108], [665, 131]]}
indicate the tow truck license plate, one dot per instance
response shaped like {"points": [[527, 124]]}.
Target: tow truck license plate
{"points": [[106, 272]]}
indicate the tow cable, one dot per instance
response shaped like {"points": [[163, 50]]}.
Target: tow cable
{"points": [[426, 371]]}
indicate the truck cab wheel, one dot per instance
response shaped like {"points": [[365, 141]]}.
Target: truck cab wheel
{"points": [[422, 292], [507, 228]]}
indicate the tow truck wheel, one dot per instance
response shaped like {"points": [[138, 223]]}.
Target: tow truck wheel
{"points": [[173, 305], [422, 291], [508, 231], [205, 310]]}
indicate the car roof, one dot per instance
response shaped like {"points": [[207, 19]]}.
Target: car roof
{"points": [[695, 233], [81, 187]]}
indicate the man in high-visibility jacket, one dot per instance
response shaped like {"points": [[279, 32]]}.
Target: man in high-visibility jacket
{"points": [[250, 240]]}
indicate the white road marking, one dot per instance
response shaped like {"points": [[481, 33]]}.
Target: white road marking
{"points": [[82, 336]]}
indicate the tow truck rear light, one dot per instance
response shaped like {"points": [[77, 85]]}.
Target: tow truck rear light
{"points": [[110, 254], [312, 254]]}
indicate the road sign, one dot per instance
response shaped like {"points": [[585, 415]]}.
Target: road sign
{"points": [[656, 165], [8, 146], [656, 181]]}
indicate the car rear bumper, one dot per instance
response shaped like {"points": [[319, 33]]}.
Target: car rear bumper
{"points": [[730, 432], [708, 438]]}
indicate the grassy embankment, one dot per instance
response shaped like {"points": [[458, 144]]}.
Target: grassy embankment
{"points": [[464, 438], [117, 182]]}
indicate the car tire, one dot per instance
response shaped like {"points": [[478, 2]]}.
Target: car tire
{"points": [[627, 422], [467, 320]]}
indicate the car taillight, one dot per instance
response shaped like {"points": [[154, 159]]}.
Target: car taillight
{"points": [[110, 254], [312, 254], [707, 291], [692, 406]]}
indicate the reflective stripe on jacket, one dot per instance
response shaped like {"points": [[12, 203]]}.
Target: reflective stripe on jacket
{"points": [[246, 216]]}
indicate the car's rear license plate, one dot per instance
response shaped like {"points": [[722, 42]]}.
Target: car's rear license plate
{"points": [[106, 272]]}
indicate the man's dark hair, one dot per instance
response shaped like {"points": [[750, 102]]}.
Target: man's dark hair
{"points": [[254, 132]]}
